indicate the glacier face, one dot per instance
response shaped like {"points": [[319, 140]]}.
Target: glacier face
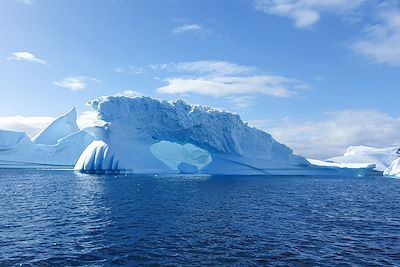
{"points": [[154, 136], [381, 157]]}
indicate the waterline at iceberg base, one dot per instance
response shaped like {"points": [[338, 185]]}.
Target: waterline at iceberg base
{"points": [[146, 135]]}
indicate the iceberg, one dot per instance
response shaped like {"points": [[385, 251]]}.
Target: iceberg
{"points": [[381, 157], [147, 135], [322, 163], [59, 144], [394, 169]]}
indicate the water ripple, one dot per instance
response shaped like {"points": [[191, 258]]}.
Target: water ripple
{"points": [[66, 219]]}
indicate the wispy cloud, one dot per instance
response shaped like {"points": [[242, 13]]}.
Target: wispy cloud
{"points": [[381, 41], [129, 70], [241, 102], [330, 137], [304, 13], [75, 83], [26, 56], [221, 79], [26, 2], [214, 67], [196, 29]]}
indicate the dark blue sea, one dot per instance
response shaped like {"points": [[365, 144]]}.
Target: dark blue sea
{"points": [[60, 218]]}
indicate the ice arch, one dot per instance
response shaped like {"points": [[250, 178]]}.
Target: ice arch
{"points": [[186, 158]]}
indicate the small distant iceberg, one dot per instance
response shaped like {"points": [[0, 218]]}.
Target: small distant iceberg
{"points": [[381, 157]]}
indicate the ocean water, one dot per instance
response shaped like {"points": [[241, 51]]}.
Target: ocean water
{"points": [[60, 218]]}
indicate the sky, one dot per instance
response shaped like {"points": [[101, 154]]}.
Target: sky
{"points": [[318, 75]]}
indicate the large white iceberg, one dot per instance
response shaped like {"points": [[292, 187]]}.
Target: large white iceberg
{"points": [[146, 135], [59, 144], [153, 136], [381, 157]]}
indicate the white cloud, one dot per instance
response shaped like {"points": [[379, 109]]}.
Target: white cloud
{"points": [[381, 42], [129, 93], [221, 78], [223, 86], [26, 2], [191, 28], [330, 137], [305, 13], [26, 56], [75, 83], [30, 125], [214, 67], [129, 70]]}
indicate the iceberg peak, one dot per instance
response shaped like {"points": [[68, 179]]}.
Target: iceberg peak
{"points": [[61, 127]]}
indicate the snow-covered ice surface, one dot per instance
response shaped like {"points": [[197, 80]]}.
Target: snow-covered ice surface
{"points": [[381, 157], [152, 136], [59, 144], [59, 128]]}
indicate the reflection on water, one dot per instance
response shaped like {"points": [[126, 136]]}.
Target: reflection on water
{"points": [[67, 218]]}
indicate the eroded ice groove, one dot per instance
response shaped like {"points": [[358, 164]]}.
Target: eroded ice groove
{"points": [[98, 158]]}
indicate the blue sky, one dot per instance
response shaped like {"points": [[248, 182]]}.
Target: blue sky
{"points": [[318, 75]]}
